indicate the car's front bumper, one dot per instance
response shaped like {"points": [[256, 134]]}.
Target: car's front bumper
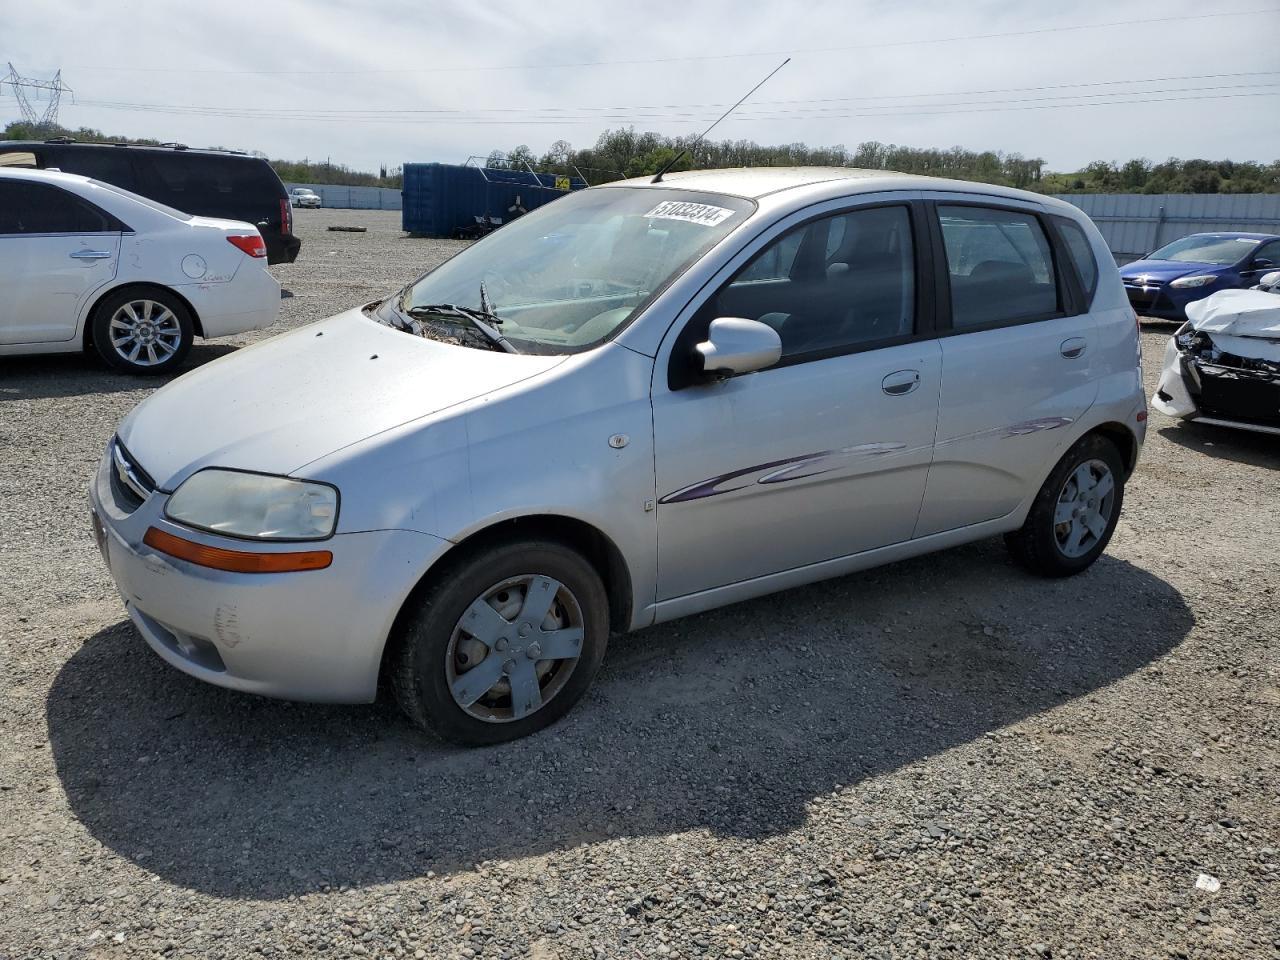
{"points": [[1217, 395], [1161, 300], [312, 635]]}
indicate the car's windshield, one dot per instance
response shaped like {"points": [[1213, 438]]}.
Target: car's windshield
{"points": [[566, 276], [1206, 248]]}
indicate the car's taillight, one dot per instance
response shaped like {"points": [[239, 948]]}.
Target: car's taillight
{"points": [[286, 216], [251, 244]]}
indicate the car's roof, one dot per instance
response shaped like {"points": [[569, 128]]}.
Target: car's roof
{"points": [[757, 182], [49, 176], [9, 146], [1233, 234]]}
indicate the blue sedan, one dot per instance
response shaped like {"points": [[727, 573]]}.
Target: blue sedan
{"points": [[1162, 283]]}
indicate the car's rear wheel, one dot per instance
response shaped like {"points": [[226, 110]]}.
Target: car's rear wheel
{"points": [[1075, 513], [144, 331], [505, 643]]}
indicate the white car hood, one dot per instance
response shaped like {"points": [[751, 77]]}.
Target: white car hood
{"points": [[1243, 322], [280, 404]]}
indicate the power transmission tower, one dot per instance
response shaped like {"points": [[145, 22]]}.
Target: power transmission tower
{"points": [[53, 89]]}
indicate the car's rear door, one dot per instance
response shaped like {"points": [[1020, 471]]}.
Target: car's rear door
{"points": [[56, 249], [1016, 358], [824, 454]]}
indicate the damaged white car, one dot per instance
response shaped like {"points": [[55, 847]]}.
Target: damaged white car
{"points": [[1223, 365]]}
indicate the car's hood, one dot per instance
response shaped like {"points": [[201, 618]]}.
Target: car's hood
{"points": [[1165, 270], [279, 405], [1243, 322]]}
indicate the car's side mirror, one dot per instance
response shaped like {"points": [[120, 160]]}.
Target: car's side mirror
{"points": [[1270, 281], [735, 345], [1263, 263]]}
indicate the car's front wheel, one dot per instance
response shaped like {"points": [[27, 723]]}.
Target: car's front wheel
{"points": [[142, 331], [1075, 513], [503, 644]]}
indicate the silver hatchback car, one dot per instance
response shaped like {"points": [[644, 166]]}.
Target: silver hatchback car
{"points": [[638, 402]]}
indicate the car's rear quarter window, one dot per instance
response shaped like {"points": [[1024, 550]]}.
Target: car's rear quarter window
{"points": [[1081, 253]]}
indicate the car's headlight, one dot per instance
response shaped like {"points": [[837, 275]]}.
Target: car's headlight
{"points": [[1199, 280], [255, 505]]}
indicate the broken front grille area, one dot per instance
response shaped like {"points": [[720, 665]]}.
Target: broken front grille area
{"points": [[1230, 386], [131, 485]]}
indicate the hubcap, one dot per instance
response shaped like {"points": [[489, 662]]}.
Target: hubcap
{"points": [[1084, 508], [145, 333], [514, 648]]}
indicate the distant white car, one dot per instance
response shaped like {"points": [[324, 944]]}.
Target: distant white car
{"points": [[87, 265], [302, 197]]}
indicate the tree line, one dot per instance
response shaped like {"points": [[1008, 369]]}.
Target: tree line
{"points": [[626, 153], [622, 153]]}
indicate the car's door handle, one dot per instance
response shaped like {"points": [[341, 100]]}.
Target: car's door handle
{"points": [[900, 382], [1073, 348], [91, 255]]}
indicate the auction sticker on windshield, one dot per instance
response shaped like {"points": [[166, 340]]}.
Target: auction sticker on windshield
{"points": [[703, 213]]}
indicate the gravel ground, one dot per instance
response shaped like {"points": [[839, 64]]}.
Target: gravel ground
{"points": [[940, 758]]}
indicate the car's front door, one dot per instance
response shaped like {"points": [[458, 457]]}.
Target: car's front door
{"points": [[55, 251], [1016, 361], [824, 454]]}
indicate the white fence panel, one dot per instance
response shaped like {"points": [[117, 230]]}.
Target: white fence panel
{"points": [[1134, 224], [343, 197]]}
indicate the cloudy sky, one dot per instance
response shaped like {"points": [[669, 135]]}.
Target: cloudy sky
{"points": [[389, 81]]}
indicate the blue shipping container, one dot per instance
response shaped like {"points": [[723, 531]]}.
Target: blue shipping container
{"points": [[441, 198]]}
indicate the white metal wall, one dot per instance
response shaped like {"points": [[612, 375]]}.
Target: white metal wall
{"points": [[353, 198], [1134, 224]]}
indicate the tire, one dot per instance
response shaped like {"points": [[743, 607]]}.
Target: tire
{"points": [[142, 330], [436, 649], [1063, 534]]}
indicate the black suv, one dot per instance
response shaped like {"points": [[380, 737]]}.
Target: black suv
{"points": [[207, 183]]}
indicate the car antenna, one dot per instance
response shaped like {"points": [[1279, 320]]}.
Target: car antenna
{"points": [[676, 159]]}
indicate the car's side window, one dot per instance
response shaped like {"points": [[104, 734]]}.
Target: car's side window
{"points": [[1268, 251], [27, 208], [1081, 254], [833, 284], [1000, 266], [108, 164], [18, 158]]}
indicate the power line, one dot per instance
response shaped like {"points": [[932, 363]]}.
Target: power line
{"points": [[1144, 22], [975, 107], [638, 110]]}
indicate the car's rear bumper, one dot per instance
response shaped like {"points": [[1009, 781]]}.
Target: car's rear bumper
{"points": [[313, 635], [281, 247], [250, 300]]}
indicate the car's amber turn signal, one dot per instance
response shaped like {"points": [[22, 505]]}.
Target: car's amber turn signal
{"points": [[236, 561]]}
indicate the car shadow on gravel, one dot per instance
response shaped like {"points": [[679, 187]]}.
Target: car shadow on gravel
{"points": [[732, 721], [1224, 443], [78, 374]]}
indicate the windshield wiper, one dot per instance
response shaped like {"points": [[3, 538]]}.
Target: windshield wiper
{"points": [[479, 319]]}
